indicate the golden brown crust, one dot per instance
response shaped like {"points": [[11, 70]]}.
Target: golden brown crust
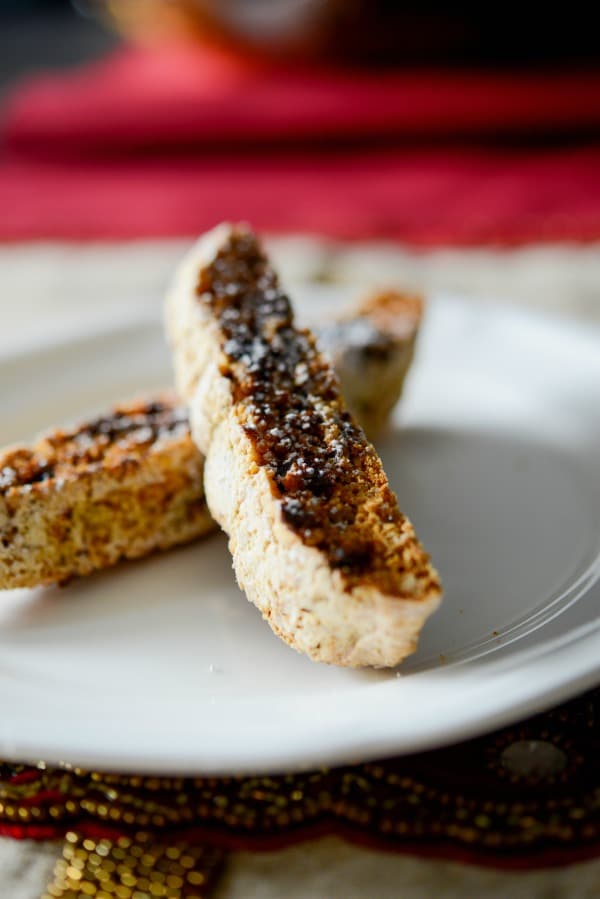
{"points": [[238, 363], [397, 314], [122, 436], [126, 445], [119, 486], [333, 492]]}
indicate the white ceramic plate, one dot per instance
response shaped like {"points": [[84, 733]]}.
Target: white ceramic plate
{"points": [[162, 665]]}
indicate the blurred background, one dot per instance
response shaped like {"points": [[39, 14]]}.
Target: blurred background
{"points": [[440, 148], [38, 33]]}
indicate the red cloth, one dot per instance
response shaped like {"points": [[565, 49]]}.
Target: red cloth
{"points": [[149, 143]]}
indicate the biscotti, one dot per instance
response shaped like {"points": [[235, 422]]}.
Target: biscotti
{"points": [[369, 345], [319, 544], [119, 486]]}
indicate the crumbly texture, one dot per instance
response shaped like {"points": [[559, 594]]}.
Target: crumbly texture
{"points": [[372, 349], [318, 541], [149, 443], [120, 486]]}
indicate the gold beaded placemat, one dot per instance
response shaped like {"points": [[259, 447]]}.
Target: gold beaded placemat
{"points": [[525, 796]]}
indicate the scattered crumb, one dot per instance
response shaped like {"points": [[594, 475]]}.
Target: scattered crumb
{"points": [[443, 658], [213, 669]]}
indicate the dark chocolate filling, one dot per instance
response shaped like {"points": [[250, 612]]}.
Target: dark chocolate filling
{"points": [[135, 426], [333, 491], [153, 420]]}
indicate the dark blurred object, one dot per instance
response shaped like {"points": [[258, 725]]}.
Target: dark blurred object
{"points": [[36, 35], [26, 7], [368, 31]]}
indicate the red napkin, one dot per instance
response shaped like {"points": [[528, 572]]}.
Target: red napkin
{"points": [[164, 142]]}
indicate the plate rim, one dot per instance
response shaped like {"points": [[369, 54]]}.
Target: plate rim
{"points": [[580, 649]]}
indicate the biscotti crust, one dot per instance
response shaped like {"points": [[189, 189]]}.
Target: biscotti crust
{"points": [[357, 599], [332, 489], [367, 356], [120, 486]]}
